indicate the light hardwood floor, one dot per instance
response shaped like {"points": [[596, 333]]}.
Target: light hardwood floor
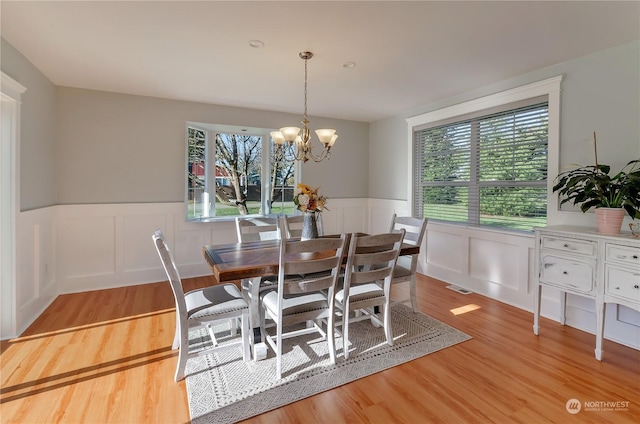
{"points": [[105, 357]]}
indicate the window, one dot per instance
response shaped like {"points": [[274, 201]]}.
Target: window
{"points": [[228, 175], [487, 167]]}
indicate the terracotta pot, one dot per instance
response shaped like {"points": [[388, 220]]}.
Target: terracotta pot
{"points": [[609, 220]]}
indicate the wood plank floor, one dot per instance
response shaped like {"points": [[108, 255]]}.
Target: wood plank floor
{"points": [[105, 357]]}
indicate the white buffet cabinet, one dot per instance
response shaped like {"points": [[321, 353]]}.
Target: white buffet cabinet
{"points": [[581, 261]]}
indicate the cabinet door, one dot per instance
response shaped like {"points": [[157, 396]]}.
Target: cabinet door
{"points": [[567, 273]]}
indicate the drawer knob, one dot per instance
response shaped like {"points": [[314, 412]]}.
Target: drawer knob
{"points": [[565, 272]]}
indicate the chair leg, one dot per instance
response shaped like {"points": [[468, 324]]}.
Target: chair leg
{"points": [[212, 335], [279, 351], [412, 292], [345, 330], [176, 336], [332, 337], [183, 353], [244, 333], [387, 323]]}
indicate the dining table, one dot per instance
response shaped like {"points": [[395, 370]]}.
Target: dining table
{"points": [[255, 260]]}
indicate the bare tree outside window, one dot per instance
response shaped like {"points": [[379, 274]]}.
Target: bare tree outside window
{"points": [[225, 175]]}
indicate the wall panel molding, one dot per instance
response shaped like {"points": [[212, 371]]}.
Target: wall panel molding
{"points": [[74, 248]]}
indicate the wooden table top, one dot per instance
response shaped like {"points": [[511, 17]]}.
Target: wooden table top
{"points": [[235, 261]]}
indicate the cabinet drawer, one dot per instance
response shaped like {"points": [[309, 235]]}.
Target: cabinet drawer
{"points": [[567, 273], [623, 283], [624, 254], [581, 247]]}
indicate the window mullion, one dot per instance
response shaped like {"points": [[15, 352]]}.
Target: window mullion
{"points": [[474, 190]]}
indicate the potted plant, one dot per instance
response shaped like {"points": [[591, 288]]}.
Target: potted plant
{"points": [[592, 187]]}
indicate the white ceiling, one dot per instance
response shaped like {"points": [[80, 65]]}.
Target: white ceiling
{"points": [[406, 53]]}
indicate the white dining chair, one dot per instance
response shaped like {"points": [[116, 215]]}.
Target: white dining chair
{"points": [[257, 228], [247, 230], [307, 276], [202, 308], [406, 268], [366, 284]]}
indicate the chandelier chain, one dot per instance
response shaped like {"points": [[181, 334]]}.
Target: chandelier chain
{"points": [[305, 89]]}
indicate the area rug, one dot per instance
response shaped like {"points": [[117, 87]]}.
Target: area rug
{"points": [[221, 388]]}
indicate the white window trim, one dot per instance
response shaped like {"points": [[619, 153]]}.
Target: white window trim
{"points": [[549, 87], [211, 130], [11, 94]]}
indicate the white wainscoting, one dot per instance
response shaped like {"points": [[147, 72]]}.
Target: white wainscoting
{"points": [[500, 265], [36, 250], [105, 246], [73, 248]]}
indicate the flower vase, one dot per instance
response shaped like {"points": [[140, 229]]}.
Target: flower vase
{"points": [[309, 226]]}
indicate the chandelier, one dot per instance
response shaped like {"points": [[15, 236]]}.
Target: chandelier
{"points": [[299, 142]]}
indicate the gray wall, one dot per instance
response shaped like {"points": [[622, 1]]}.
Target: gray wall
{"points": [[117, 148], [600, 92], [38, 182], [91, 147]]}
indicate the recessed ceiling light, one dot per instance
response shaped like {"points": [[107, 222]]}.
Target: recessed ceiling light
{"points": [[256, 44], [349, 65]]}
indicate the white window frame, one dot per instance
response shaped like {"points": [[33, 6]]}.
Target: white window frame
{"points": [[267, 146], [549, 87]]}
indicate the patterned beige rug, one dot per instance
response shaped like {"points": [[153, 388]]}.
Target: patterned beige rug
{"points": [[221, 388]]}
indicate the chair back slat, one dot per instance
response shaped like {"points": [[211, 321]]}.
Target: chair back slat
{"points": [[367, 276], [414, 228], [308, 285], [309, 265], [256, 229], [372, 258]]}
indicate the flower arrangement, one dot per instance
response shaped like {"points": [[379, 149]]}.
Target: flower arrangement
{"points": [[307, 199]]}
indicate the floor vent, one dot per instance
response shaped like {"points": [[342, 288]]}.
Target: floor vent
{"points": [[459, 289]]}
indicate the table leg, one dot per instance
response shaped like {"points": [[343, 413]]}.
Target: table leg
{"points": [[258, 347]]}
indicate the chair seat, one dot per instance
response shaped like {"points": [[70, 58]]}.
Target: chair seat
{"points": [[214, 300], [361, 292], [400, 271], [295, 304]]}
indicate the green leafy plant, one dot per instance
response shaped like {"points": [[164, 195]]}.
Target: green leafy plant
{"points": [[592, 186]]}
